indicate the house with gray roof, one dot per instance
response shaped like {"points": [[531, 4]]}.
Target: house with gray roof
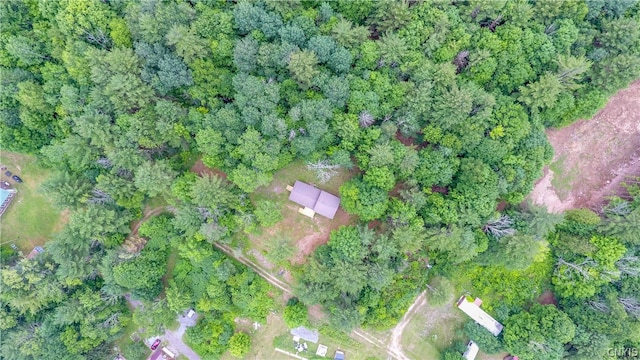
{"points": [[312, 198]]}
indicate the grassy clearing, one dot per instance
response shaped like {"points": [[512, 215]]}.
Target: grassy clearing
{"points": [[156, 202], [351, 348], [563, 178], [304, 234], [431, 330], [435, 328], [30, 219], [124, 341], [262, 339], [168, 275]]}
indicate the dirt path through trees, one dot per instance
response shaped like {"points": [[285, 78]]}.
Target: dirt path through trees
{"points": [[255, 267], [396, 334], [147, 214], [593, 157], [393, 348]]}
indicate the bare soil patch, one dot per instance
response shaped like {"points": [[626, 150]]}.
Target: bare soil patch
{"points": [[309, 242], [410, 141], [593, 157], [396, 333], [547, 298], [147, 213], [201, 169]]}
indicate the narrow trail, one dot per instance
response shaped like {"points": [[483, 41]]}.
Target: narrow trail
{"points": [[146, 216], [396, 333], [287, 289], [255, 267]]}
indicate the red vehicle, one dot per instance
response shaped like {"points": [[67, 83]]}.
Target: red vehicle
{"points": [[155, 344]]}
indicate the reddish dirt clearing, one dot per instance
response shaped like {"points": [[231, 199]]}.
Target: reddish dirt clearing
{"points": [[201, 169], [547, 298], [593, 157], [309, 242]]}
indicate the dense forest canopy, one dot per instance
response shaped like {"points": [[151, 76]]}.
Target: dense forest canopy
{"points": [[439, 106]]}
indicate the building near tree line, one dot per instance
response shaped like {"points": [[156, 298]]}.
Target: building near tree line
{"points": [[312, 198], [472, 308], [472, 351]]}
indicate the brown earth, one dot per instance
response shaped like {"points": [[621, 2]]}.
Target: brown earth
{"points": [[134, 243], [396, 334], [547, 298], [593, 157], [201, 169], [308, 243]]}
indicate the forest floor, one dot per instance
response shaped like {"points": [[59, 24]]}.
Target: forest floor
{"points": [[31, 218], [593, 157], [201, 169]]}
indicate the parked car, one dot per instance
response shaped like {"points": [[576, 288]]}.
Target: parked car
{"points": [[155, 344], [17, 178], [8, 173]]}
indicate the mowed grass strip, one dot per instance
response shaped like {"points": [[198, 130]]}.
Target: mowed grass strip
{"points": [[31, 218], [431, 330]]}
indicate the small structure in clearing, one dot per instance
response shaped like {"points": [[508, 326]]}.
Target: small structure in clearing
{"points": [[306, 334], [314, 200], [472, 308], [472, 351], [322, 350]]}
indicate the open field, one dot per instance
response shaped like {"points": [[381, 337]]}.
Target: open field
{"points": [[431, 330], [593, 157], [30, 219]]}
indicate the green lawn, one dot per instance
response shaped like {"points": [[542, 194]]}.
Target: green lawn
{"points": [[431, 330], [156, 202], [30, 219]]}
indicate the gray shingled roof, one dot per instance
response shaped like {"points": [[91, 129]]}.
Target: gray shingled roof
{"points": [[304, 194], [327, 205], [306, 334], [320, 201]]}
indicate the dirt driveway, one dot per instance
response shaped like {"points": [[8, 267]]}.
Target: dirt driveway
{"points": [[593, 157], [174, 338]]}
